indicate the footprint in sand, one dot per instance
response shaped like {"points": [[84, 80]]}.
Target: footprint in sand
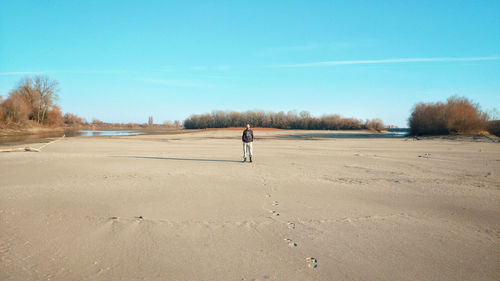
{"points": [[275, 203], [274, 213], [312, 262], [291, 225], [290, 242]]}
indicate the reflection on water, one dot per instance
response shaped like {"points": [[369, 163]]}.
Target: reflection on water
{"points": [[108, 133], [399, 131], [26, 138], [19, 139]]}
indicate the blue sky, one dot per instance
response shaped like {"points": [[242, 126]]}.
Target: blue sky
{"points": [[121, 61]]}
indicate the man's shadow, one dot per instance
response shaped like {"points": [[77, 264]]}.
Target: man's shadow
{"points": [[180, 159]]}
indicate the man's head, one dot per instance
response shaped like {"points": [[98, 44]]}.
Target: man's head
{"points": [[248, 126]]}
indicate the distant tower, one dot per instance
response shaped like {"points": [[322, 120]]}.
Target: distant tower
{"points": [[150, 121]]}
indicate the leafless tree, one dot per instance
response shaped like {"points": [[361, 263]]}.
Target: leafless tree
{"points": [[456, 116], [72, 119], [96, 121], [280, 120], [374, 124], [41, 92]]}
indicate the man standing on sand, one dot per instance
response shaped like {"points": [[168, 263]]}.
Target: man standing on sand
{"points": [[247, 139]]}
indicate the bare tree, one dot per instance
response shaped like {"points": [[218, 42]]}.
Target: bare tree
{"points": [[281, 120], [41, 92], [374, 124], [457, 116], [96, 121], [72, 119]]}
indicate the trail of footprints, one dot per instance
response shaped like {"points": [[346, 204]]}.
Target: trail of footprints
{"points": [[290, 242], [311, 262], [274, 213]]}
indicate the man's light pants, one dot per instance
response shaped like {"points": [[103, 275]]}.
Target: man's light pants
{"points": [[247, 148]]}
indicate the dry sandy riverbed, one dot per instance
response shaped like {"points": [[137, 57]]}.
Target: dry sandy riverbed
{"points": [[183, 207]]}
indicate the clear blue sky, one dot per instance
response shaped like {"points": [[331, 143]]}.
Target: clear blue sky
{"points": [[121, 61]]}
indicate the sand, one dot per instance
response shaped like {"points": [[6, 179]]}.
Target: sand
{"points": [[184, 207]]}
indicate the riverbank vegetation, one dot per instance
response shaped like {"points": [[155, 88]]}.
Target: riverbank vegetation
{"points": [[457, 115], [279, 120], [32, 104], [31, 107]]}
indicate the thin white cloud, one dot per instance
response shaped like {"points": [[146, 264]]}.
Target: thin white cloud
{"points": [[173, 82], [387, 61], [309, 47], [14, 73], [204, 67], [106, 71], [296, 48], [9, 73]]}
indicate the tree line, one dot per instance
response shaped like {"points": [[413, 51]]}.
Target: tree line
{"points": [[279, 120], [33, 103]]}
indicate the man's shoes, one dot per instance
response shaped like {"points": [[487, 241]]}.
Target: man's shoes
{"points": [[245, 159], [251, 160]]}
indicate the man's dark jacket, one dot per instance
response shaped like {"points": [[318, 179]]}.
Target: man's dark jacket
{"points": [[247, 136]]}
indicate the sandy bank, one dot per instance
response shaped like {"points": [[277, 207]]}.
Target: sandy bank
{"points": [[183, 207]]}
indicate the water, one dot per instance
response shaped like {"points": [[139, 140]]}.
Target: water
{"points": [[90, 133], [399, 131], [15, 139], [19, 139], [390, 134]]}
